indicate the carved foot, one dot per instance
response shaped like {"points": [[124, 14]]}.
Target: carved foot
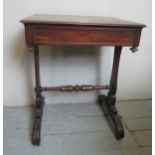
{"points": [[134, 49], [112, 116], [37, 121], [36, 132]]}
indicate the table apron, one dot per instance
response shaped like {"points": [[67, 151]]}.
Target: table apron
{"points": [[76, 36]]}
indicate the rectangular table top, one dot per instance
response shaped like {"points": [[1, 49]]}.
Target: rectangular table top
{"points": [[79, 20]]}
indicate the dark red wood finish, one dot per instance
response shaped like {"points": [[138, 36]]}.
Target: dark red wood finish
{"points": [[81, 35], [76, 30]]}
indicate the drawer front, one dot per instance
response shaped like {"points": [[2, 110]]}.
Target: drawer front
{"points": [[86, 36]]}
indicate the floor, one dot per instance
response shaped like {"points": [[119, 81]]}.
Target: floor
{"points": [[79, 129]]}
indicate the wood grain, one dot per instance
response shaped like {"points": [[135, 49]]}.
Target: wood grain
{"points": [[81, 35], [79, 20]]}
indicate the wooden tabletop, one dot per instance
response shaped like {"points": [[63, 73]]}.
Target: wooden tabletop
{"points": [[79, 20]]}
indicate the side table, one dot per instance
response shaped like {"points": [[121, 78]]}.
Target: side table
{"points": [[41, 29]]}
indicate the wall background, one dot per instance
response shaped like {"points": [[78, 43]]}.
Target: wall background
{"points": [[72, 65]]}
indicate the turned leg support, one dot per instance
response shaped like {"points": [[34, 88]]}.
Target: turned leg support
{"points": [[39, 101], [109, 102]]}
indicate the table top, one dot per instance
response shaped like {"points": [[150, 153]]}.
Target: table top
{"points": [[79, 20]]}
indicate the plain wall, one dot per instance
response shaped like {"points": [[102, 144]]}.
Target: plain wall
{"points": [[74, 65]]}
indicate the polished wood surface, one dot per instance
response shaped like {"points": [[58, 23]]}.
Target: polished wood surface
{"points": [[76, 30], [81, 30], [79, 20], [63, 35]]}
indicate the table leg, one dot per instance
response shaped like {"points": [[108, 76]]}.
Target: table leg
{"points": [[39, 101], [108, 102]]}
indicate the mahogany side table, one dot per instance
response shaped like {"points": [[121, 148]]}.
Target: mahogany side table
{"points": [[80, 31]]}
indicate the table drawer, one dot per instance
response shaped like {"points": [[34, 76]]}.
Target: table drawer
{"points": [[82, 36]]}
